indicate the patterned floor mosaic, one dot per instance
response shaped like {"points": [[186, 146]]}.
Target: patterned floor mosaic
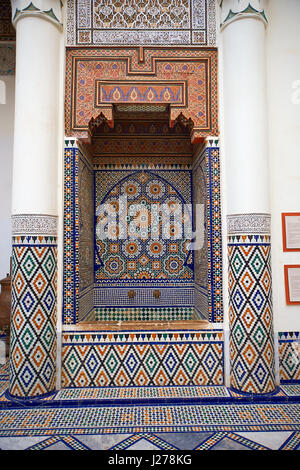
{"points": [[66, 420], [140, 393], [35, 421], [99, 396]]}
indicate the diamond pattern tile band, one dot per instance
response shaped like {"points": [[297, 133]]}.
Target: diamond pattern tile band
{"points": [[33, 324], [250, 310], [142, 358], [289, 356]]}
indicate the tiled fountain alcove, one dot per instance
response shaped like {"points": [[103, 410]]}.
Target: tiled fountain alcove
{"points": [[149, 161], [151, 277]]}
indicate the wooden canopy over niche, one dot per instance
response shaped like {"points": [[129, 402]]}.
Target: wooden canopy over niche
{"points": [[185, 79], [139, 133]]}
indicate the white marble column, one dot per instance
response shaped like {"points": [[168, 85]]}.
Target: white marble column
{"points": [[243, 29], [38, 26]]}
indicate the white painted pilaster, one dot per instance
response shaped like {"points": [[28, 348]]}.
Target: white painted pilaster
{"points": [[36, 132]]}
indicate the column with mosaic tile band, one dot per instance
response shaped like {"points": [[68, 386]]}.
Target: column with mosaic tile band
{"points": [[33, 322], [33, 339], [252, 368], [250, 303]]}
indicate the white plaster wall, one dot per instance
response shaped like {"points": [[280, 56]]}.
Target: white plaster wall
{"points": [[223, 171], [245, 123], [36, 144], [60, 199], [6, 160], [283, 72]]}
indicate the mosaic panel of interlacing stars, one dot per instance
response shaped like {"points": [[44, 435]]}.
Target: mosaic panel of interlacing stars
{"points": [[33, 326], [157, 244], [251, 343], [86, 225], [169, 22], [208, 162], [95, 359], [72, 227]]}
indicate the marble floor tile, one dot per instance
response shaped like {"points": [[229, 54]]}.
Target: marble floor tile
{"points": [[271, 440], [19, 443], [184, 441], [102, 441], [143, 444], [228, 444], [60, 445]]}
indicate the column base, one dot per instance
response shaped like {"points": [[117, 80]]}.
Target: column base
{"points": [[250, 304], [252, 394], [28, 400], [33, 317]]}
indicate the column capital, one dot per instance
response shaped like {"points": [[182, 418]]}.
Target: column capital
{"points": [[34, 225], [50, 10], [254, 224], [232, 10]]}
